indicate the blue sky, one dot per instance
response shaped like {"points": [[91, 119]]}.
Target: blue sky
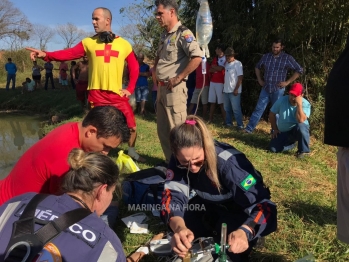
{"points": [[78, 12]]}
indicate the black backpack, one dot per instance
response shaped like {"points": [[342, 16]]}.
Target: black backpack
{"points": [[25, 244]]}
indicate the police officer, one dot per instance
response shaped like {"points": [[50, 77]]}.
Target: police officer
{"points": [[227, 185], [178, 55]]}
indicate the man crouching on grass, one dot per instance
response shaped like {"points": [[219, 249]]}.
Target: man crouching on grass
{"points": [[292, 125], [28, 85]]}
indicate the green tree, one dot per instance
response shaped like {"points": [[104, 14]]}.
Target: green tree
{"points": [[141, 27], [314, 33]]}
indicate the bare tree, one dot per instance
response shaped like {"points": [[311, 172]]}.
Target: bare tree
{"points": [[15, 42], [13, 23], [130, 32], [89, 34], [70, 33], [42, 34]]}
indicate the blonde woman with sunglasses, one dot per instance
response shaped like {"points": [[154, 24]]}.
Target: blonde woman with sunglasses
{"points": [[228, 190]]}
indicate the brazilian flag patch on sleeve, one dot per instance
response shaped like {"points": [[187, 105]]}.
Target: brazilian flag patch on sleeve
{"points": [[248, 182]]}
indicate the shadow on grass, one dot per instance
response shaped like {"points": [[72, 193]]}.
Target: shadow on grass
{"points": [[313, 213], [150, 117], [258, 256], [259, 139]]}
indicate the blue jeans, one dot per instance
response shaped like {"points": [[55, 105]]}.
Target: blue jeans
{"points": [[9, 78], [284, 140], [264, 99], [47, 77], [190, 95], [232, 105], [141, 93]]}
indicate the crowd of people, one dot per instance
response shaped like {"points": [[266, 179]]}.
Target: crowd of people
{"points": [[71, 164], [34, 82]]}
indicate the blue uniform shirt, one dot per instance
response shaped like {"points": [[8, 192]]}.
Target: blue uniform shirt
{"points": [[88, 240], [241, 184]]}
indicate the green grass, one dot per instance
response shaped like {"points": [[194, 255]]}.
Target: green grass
{"points": [[304, 190]]}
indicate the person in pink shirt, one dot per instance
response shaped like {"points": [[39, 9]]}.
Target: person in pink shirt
{"points": [[63, 67], [64, 77]]}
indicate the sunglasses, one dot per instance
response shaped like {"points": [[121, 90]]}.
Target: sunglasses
{"points": [[161, 13], [158, 13], [197, 164]]}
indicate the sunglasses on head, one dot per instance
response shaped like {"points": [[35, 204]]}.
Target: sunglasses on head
{"points": [[197, 164]]}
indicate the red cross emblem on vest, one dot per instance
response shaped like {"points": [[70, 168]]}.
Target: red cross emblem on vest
{"points": [[107, 53]]}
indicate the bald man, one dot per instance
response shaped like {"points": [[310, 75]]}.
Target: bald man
{"points": [[106, 54]]}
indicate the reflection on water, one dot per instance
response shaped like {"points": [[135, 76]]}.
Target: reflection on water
{"points": [[17, 134]]}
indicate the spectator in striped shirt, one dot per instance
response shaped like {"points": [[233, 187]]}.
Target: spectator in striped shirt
{"points": [[276, 65]]}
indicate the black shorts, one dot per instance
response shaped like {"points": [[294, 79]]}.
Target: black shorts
{"points": [[38, 77]]}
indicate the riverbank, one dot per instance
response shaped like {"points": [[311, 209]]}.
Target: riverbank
{"points": [[304, 190], [50, 102]]}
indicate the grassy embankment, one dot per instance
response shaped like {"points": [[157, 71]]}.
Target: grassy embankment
{"points": [[304, 190]]}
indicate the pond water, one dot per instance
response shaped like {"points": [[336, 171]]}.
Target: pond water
{"points": [[17, 134]]}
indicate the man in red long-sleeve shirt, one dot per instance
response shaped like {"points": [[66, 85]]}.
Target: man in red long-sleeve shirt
{"points": [[107, 54]]}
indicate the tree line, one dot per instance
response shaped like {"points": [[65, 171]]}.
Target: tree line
{"points": [[314, 32]]}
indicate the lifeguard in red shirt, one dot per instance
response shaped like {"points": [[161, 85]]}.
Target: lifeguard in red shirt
{"points": [[42, 167], [107, 54]]}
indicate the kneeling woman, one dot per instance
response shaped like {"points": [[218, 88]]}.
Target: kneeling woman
{"points": [[229, 190], [90, 184]]}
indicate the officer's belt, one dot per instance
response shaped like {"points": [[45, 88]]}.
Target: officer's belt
{"points": [[165, 83]]}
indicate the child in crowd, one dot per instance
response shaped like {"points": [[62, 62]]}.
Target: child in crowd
{"points": [[64, 78]]}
